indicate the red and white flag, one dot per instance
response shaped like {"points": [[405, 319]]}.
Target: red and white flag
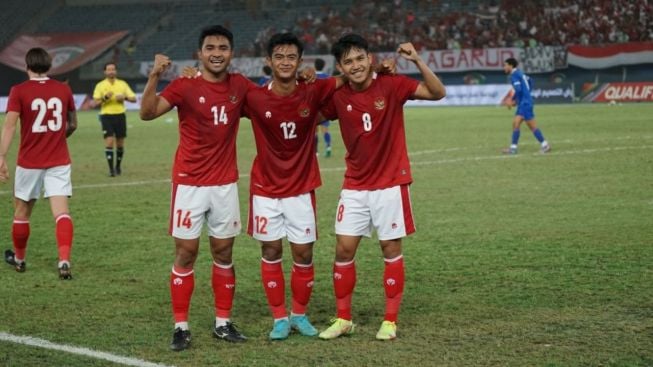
{"points": [[601, 57]]}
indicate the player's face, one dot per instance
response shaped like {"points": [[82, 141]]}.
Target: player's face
{"points": [[356, 66], [284, 62], [507, 68], [216, 54], [110, 71]]}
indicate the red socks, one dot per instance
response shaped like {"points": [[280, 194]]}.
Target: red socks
{"points": [[64, 234], [223, 281], [274, 285], [393, 282], [301, 282], [20, 235], [344, 280], [182, 282]]}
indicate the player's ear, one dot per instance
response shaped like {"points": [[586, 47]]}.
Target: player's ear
{"points": [[339, 67], [268, 61], [371, 57]]}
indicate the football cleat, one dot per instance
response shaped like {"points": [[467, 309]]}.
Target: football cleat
{"points": [[229, 333], [510, 151], [10, 258], [327, 152], [302, 325], [280, 330], [388, 331], [118, 171], [64, 272], [180, 340], [545, 149], [338, 327], [112, 173]]}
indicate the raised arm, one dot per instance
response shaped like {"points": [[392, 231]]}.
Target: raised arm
{"points": [[431, 87], [8, 131], [152, 105]]}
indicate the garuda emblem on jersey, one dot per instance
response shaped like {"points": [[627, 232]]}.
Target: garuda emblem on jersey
{"points": [[379, 103], [233, 99], [304, 111]]}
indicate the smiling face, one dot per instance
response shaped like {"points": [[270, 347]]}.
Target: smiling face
{"points": [[215, 55], [284, 61], [356, 65]]}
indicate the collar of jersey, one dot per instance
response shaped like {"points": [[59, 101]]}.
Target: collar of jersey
{"points": [[40, 79], [272, 81]]}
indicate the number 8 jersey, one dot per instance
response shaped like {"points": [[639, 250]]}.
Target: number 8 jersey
{"points": [[43, 105], [372, 128]]}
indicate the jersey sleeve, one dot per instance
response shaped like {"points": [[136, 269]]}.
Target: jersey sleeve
{"points": [[516, 85], [97, 94], [173, 93], [326, 89], [129, 92], [13, 104], [329, 110], [404, 88]]}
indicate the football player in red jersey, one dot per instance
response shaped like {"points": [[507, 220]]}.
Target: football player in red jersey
{"points": [[284, 176], [204, 175], [375, 193], [46, 110]]}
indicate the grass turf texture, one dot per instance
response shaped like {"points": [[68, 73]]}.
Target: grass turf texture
{"points": [[520, 260]]}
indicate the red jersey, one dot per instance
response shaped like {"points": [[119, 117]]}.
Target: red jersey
{"points": [[284, 129], [209, 114], [372, 128], [43, 105]]}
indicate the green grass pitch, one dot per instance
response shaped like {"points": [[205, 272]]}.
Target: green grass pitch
{"points": [[527, 260]]}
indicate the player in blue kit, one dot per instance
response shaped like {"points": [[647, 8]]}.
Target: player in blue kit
{"points": [[522, 98], [324, 125]]}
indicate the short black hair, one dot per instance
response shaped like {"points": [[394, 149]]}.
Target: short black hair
{"points": [[284, 39], [512, 62], [348, 42], [216, 30], [38, 60], [267, 70], [319, 64], [110, 63]]}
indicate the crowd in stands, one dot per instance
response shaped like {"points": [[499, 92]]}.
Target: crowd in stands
{"points": [[433, 24]]}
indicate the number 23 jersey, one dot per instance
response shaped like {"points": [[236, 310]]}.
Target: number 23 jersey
{"points": [[372, 128], [43, 105]]}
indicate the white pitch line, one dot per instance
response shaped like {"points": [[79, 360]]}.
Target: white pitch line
{"points": [[42, 343], [412, 163]]}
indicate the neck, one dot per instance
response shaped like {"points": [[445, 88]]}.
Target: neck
{"points": [[214, 78], [33, 75], [364, 85], [283, 87]]}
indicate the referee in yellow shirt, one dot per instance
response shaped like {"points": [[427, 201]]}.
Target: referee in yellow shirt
{"points": [[111, 94]]}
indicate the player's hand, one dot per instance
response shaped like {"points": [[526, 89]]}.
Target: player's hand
{"points": [[387, 66], [108, 96], [120, 97], [408, 52], [161, 64], [307, 74], [4, 171], [189, 72]]}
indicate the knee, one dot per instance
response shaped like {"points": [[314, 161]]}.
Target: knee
{"points": [[270, 253]]}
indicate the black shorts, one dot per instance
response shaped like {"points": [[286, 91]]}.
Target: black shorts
{"points": [[114, 125]]}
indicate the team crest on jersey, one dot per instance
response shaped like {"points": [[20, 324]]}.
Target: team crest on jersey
{"points": [[233, 99], [379, 103], [268, 114], [348, 108], [304, 111], [202, 99]]}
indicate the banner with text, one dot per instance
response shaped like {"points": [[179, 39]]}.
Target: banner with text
{"points": [[68, 50], [622, 92]]}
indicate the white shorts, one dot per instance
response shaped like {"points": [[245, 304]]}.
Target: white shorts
{"points": [[192, 205], [387, 210], [54, 181], [271, 218]]}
